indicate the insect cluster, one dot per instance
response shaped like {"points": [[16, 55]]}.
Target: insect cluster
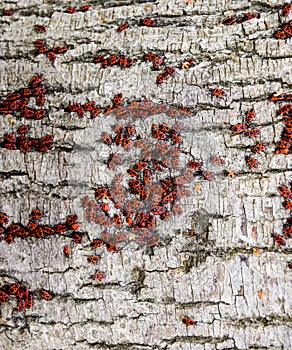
{"points": [[51, 53], [34, 228], [249, 131], [284, 145], [16, 102], [26, 144], [246, 17], [134, 203], [22, 294], [281, 239]]}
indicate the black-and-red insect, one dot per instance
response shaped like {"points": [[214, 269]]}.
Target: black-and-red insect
{"points": [[122, 27], [218, 92], [251, 162], [189, 321]]}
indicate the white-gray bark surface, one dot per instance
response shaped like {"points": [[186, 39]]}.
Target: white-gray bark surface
{"points": [[231, 278]]}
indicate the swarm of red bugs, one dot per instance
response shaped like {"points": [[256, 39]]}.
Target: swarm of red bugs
{"points": [[26, 144], [16, 102], [284, 31], [249, 131], [22, 294], [246, 17], [134, 209], [114, 60], [72, 10], [82, 109], [284, 145], [34, 228], [281, 239], [50, 52]]}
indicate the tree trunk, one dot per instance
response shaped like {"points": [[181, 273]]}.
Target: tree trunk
{"points": [[230, 276]]}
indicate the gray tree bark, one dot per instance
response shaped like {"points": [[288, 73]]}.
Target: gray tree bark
{"points": [[231, 278]]}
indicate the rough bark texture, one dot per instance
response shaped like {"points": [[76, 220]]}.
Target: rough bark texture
{"points": [[215, 278]]}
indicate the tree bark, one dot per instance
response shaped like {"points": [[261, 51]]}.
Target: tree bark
{"points": [[230, 277]]}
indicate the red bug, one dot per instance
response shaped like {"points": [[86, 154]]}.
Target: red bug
{"points": [[122, 27], [40, 28], [285, 109], [126, 62], [70, 10], [280, 97], [189, 322], [279, 34], [208, 175], [103, 193], [289, 265], [287, 230], [96, 111], [259, 147], [252, 133], [46, 295], [106, 138], [229, 20], [51, 56], [39, 90], [285, 191], [39, 43], [218, 92], [21, 306], [286, 10], [118, 99], [218, 160], [77, 238], [104, 63], [162, 77], [26, 92], [97, 243], [248, 16], [9, 137], [171, 71], [287, 29], [195, 164], [4, 296], [113, 59], [32, 224], [148, 22], [238, 128], [59, 49], [280, 240], [7, 12], [60, 228], [252, 162], [13, 288], [48, 230], [35, 80], [192, 233], [66, 251], [84, 8], [23, 129], [150, 56], [41, 50], [250, 115], [89, 106], [157, 61], [98, 59], [73, 107], [99, 276], [13, 96], [93, 259], [111, 248], [287, 204], [36, 214]]}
